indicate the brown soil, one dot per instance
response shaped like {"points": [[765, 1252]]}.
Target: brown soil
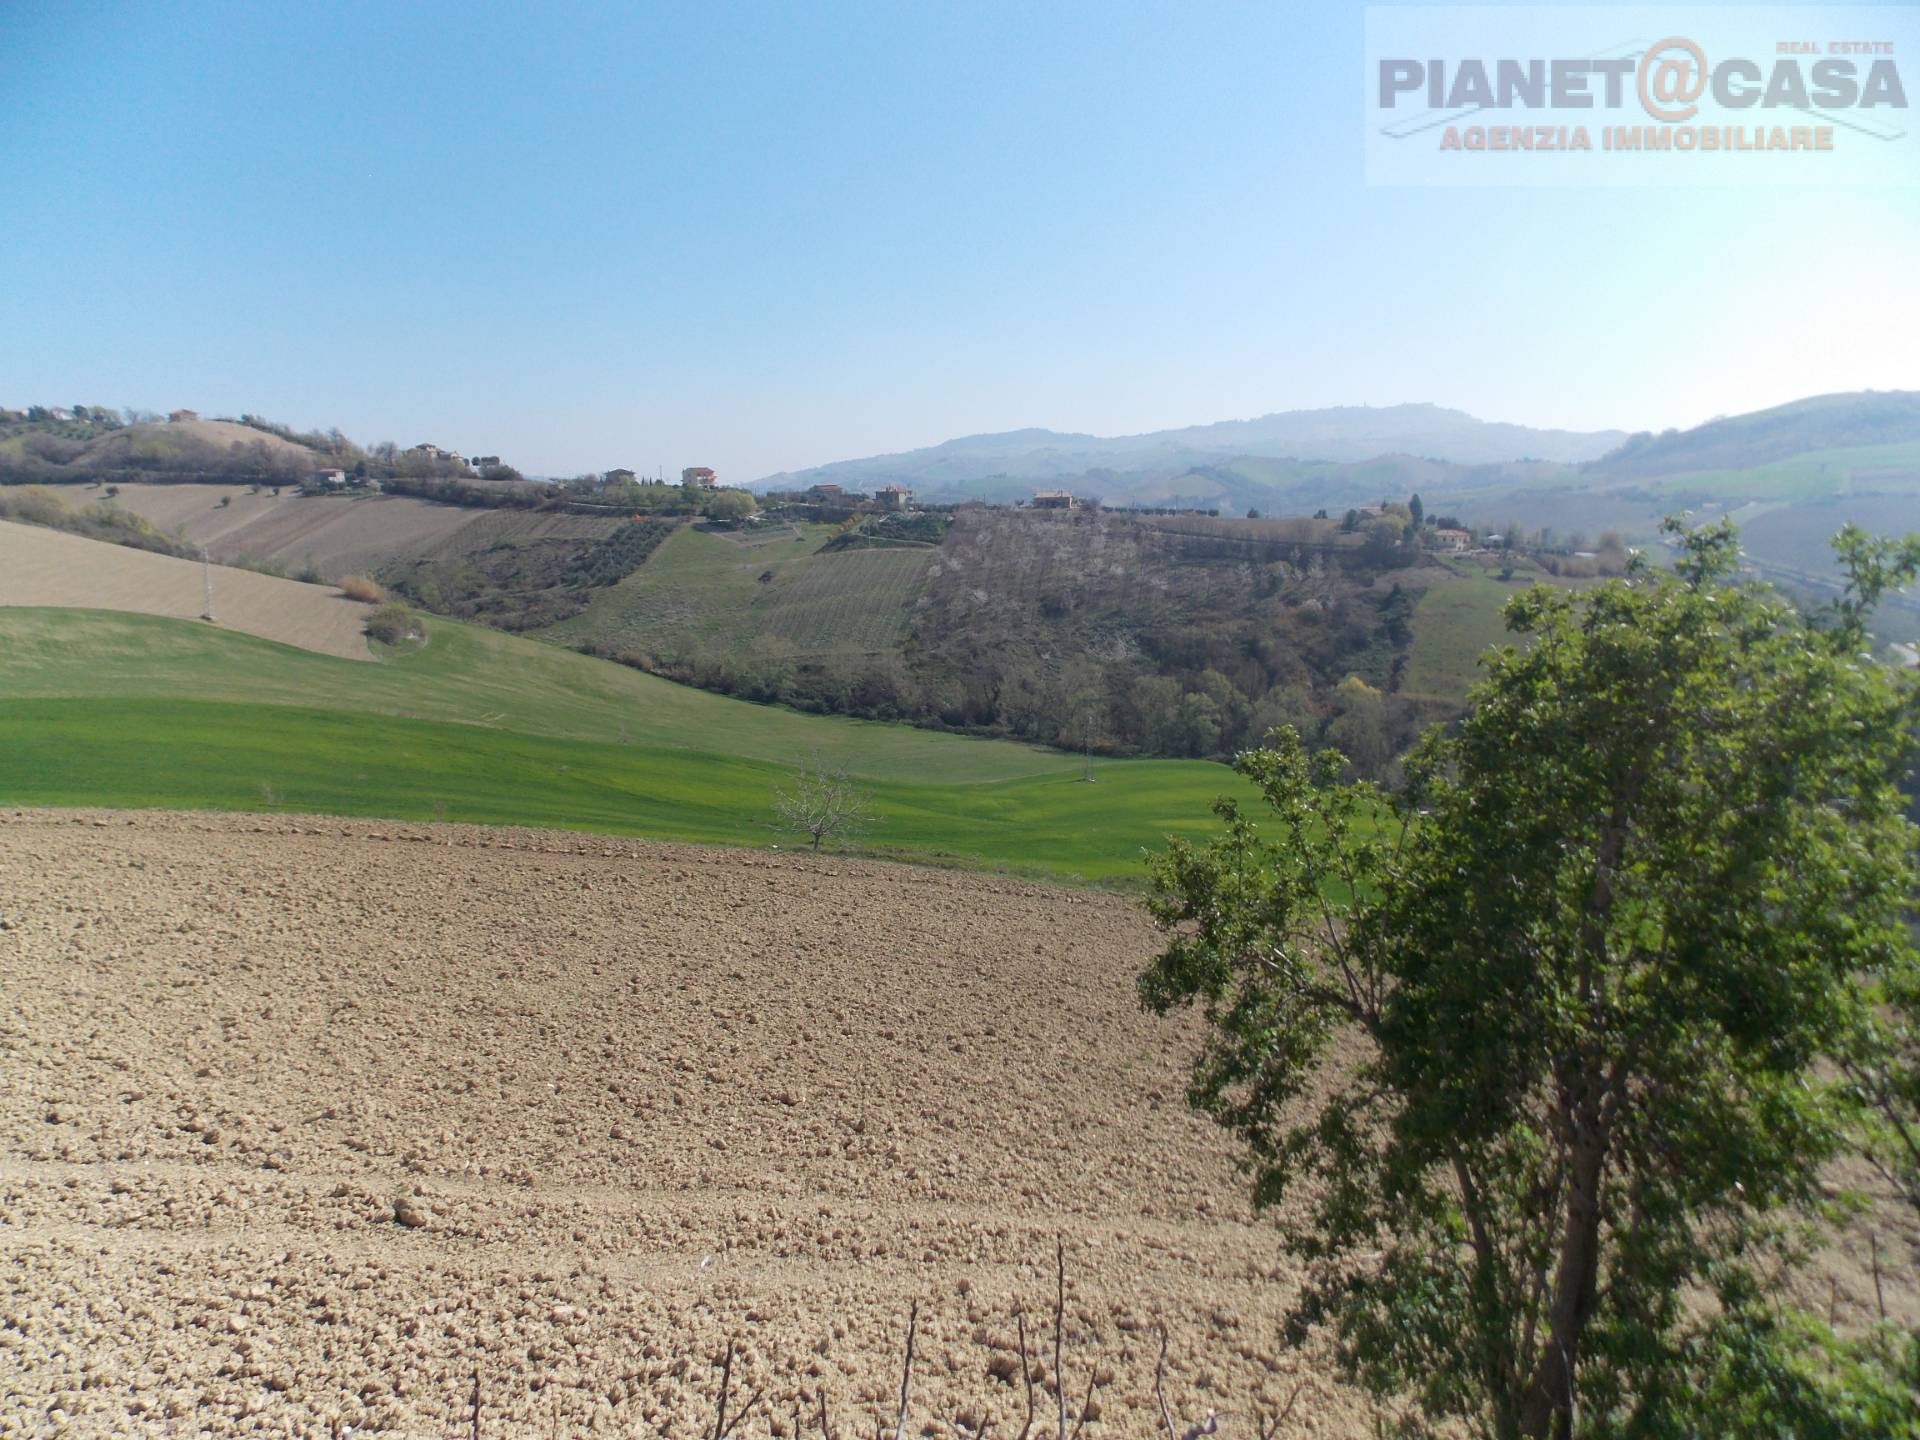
{"points": [[47, 567], [307, 1120], [334, 535]]}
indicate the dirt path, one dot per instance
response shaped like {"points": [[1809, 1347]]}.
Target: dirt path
{"points": [[47, 567], [638, 1099]]}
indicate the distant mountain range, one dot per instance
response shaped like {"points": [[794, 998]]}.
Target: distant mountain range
{"points": [[1345, 433], [1790, 475]]}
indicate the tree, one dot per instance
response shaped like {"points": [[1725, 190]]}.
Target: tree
{"points": [[1285, 704], [1198, 725], [730, 506], [821, 802], [1595, 959], [1360, 730], [1386, 535], [1416, 512]]}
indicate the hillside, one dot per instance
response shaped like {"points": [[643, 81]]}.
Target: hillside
{"points": [[977, 465], [1172, 635], [126, 709], [709, 601], [94, 444], [53, 451], [41, 567], [1814, 464], [1745, 442], [323, 536]]}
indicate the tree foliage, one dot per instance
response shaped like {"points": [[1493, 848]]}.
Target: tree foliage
{"points": [[1541, 1039]]}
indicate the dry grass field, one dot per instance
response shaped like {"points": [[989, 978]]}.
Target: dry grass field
{"points": [[308, 1120], [47, 567]]}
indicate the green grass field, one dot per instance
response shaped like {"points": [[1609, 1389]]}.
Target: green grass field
{"points": [[1879, 469], [1454, 622], [776, 597], [99, 708]]}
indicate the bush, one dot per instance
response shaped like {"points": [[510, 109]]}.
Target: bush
{"points": [[361, 588], [35, 505], [390, 624]]}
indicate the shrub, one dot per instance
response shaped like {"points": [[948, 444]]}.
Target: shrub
{"points": [[390, 624], [35, 505], [359, 587]]}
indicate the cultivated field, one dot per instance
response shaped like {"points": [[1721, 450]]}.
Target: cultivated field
{"points": [[854, 601], [40, 567], [114, 709], [311, 1120], [492, 528], [707, 596], [330, 535]]}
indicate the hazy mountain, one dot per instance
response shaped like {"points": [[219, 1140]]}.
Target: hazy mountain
{"points": [[1739, 442], [1017, 459]]}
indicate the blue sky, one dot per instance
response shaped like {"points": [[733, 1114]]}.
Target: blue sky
{"points": [[767, 236]]}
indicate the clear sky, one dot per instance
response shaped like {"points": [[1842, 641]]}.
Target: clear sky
{"points": [[766, 236]]}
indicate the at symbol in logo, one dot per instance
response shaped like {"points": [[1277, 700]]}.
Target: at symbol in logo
{"points": [[1665, 81]]}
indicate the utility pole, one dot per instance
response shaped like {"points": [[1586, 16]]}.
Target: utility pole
{"points": [[1086, 746], [206, 584]]}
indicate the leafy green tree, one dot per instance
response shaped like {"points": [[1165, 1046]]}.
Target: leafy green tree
{"points": [[1359, 730], [1416, 512], [1286, 704], [1199, 724], [1760, 1373], [1153, 704], [1386, 535], [730, 505], [1542, 1041]]}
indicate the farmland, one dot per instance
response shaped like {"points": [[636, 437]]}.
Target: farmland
{"points": [[310, 1120], [325, 535], [128, 710], [41, 567], [714, 595]]}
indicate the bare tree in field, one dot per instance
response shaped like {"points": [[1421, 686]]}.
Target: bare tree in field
{"points": [[821, 801]]}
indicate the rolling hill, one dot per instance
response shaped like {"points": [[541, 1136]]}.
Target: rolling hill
{"points": [[1745, 442], [766, 596], [325, 536], [42, 567], [985, 466], [125, 709], [54, 451], [1166, 635], [1814, 464]]}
